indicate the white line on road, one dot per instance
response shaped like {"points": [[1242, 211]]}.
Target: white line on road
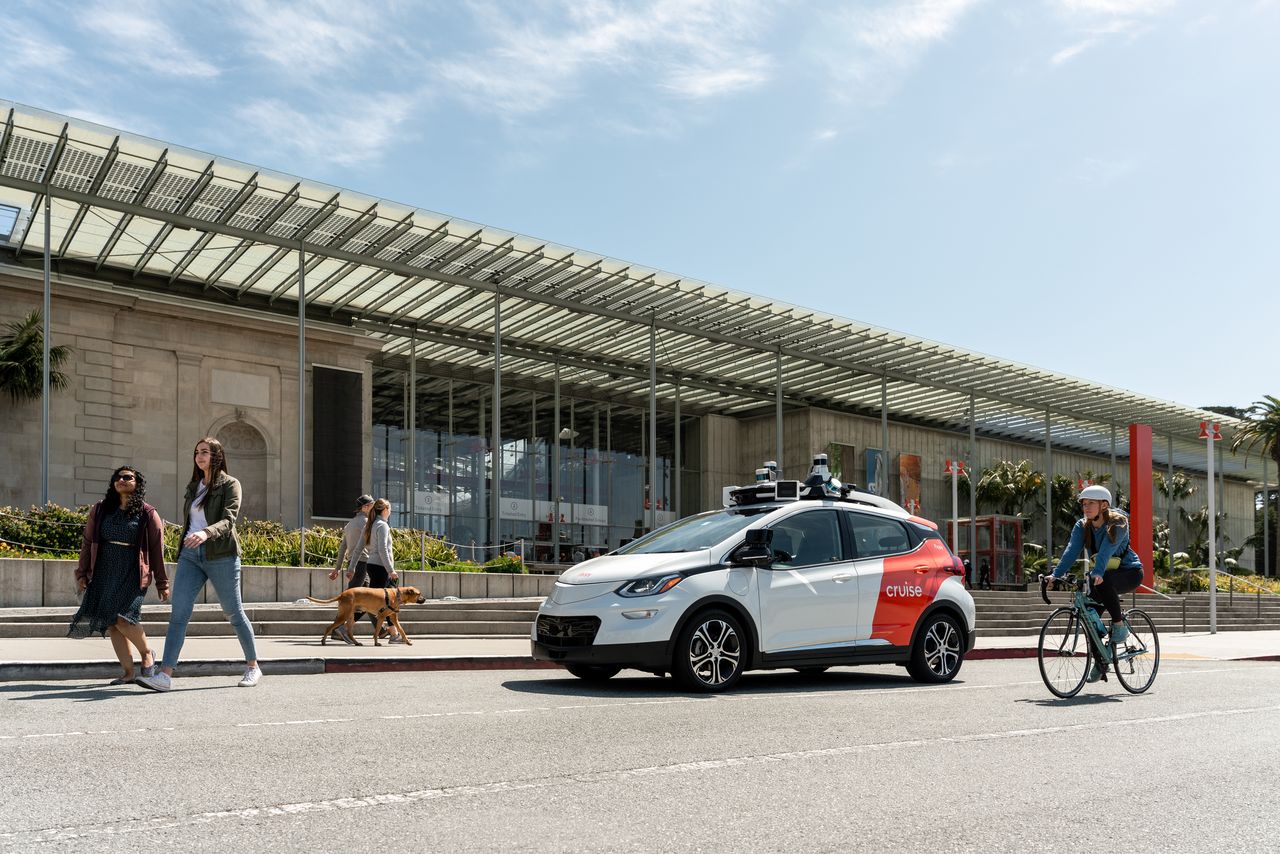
{"points": [[61, 834], [739, 697]]}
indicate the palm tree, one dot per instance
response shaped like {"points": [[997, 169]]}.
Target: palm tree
{"points": [[1262, 427], [1008, 486], [22, 360]]}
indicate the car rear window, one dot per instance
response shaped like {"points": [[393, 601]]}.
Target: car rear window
{"points": [[874, 536]]}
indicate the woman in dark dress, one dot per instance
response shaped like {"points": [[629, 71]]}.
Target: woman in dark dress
{"points": [[121, 550]]}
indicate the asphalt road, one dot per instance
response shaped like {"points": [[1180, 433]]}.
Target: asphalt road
{"points": [[534, 760]]}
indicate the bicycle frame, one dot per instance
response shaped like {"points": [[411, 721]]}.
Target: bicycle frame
{"points": [[1079, 604]]}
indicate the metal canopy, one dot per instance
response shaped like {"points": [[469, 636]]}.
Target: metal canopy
{"points": [[149, 216]]}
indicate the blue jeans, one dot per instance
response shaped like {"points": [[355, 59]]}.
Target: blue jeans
{"points": [[194, 569]]}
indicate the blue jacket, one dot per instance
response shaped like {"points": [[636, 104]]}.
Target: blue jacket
{"points": [[1108, 555]]}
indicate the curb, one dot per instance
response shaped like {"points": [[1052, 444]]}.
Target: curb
{"points": [[28, 671], [462, 662], [31, 671]]}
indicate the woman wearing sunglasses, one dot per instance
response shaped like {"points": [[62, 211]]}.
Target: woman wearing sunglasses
{"points": [[121, 549]]}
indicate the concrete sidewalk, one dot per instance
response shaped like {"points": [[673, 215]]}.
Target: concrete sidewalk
{"points": [[33, 659]]}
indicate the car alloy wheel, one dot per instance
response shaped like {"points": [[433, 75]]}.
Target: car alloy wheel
{"points": [[709, 656], [938, 651]]}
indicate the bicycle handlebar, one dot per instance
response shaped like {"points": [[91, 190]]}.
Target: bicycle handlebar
{"points": [[1069, 581]]}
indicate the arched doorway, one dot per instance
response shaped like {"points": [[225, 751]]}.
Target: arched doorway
{"points": [[247, 462]]}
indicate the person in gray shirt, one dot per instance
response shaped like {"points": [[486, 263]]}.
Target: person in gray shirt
{"points": [[352, 546]]}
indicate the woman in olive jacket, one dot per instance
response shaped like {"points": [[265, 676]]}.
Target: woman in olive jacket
{"points": [[209, 551]]}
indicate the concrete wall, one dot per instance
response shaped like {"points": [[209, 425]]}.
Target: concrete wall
{"points": [[148, 378], [48, 583]]}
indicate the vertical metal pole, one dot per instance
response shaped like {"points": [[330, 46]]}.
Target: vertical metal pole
{"points": [[1048, 488], [1266, 511], [882, 476], [653, 420], [679, 458], [955, 506], [555, 472], [1212, 541], [1168, 511], [973, 484], [302, 407], [495, 484], [1114, 482], [1222, 491], [450, 464], [531, 456], [411, 458], [44, 398], [777, 428]]}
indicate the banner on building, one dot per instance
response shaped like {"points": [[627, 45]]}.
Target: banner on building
{"points": [[875, 479], [909, 482], [520, 509]]}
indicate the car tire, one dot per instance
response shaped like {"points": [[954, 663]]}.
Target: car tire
{"points": [[938, 650], [710, 653], [593, 672]]}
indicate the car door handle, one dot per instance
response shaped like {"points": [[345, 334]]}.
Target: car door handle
{"points": [[921, 570], [841, 577]]}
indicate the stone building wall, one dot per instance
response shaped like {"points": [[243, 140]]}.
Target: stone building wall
{"points": [[150, 376]]}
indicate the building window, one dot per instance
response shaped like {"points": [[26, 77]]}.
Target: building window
{"points": [[8, 222]]}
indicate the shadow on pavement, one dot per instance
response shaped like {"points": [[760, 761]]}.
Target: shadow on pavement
{"points": [[779, 682], [1078, 700], [92, 693]]}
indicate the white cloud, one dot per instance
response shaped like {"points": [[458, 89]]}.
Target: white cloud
{"points": [[690, 48], [304, 39], [873, 49], [137, 37], [27, 51], [708, 82], [1098, 20], [1127, 8], [347, 135]]}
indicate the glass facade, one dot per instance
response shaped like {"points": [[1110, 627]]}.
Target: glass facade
{"points": [[573, 480]]}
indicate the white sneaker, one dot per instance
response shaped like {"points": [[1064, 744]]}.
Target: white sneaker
{"points": [[250, 678], [158, 681]]}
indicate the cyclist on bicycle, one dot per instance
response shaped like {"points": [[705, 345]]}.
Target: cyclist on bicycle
{"points": [[1116, 569]]}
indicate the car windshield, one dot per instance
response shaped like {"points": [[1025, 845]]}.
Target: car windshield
{"points": [[692, 534]]}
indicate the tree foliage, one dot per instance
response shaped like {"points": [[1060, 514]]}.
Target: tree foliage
{"points": [[22, 360]]}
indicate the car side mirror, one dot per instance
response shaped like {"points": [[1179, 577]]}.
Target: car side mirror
{"points": [[756, 550]]}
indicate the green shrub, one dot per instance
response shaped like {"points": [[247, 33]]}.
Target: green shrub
{"points": [[49, 530], [506, 563], [52, 532]]}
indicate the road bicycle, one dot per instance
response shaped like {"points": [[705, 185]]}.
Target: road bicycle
{"points": [[1074, 637]]}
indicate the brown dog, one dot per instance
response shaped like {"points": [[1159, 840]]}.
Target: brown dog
{"points": [[381, 602]]}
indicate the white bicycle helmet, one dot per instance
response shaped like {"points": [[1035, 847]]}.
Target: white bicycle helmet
{"points": [[1097, 493]]}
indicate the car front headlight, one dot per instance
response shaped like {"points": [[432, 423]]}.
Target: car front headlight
{"points": [[650, 586]]}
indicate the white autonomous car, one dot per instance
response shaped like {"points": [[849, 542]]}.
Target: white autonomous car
{"points": [[804, 575]]}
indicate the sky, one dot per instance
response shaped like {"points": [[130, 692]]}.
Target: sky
{"points": [[1086, 186]]}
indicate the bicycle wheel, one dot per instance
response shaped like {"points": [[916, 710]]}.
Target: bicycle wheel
{"points": [[1138, 656], [1064, 653]]}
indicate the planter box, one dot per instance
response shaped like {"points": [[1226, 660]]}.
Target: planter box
{"points": [[48, 583], [22, 582]]}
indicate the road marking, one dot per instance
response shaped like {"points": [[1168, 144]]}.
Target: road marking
{"points": [[737, 697], [589, 778]]}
